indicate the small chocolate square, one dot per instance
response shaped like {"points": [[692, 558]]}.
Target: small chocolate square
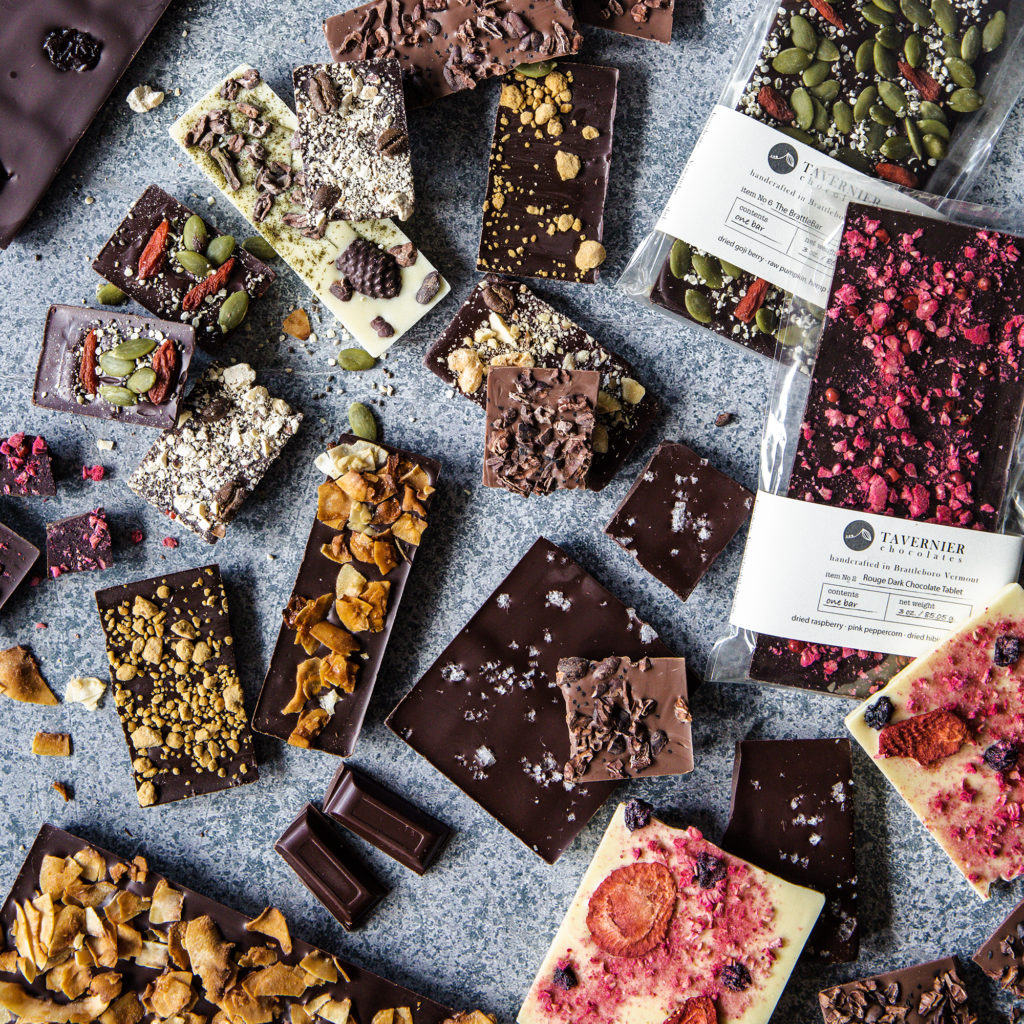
{"points": [[25, 468], [78, 544], [645, 20], [17, 556]]}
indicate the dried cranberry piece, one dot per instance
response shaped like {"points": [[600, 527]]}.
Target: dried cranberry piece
{"points": [[1002, 756], [70, 49], [1007, 651], [736, 977], [878, 714], [564, 977], [638, 814]]}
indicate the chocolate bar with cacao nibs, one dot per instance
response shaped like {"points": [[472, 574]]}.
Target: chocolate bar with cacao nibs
{"points": [[915, 400], [1001, 956], [17, 556], [78, 543], [548, 174], [140, 259], [446, 46], [503, 323], [645, 19], [78, 357], [25, 468]]}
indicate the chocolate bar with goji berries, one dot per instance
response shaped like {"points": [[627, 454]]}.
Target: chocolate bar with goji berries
{"points": [[25, 468], [915, 401]]}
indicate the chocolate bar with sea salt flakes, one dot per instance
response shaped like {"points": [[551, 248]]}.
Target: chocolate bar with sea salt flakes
{"points": [[25, 467], [78, 543]]}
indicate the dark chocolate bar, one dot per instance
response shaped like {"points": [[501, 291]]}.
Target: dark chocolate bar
{"points": [[324, 982], [88, 365], [792, 814], [1001, 956], [907, 415], [548, 175], [78, 543], [140, 258], [450, 46], [330, 872], [646, 19], [17, 556], [25, 468], [503, 323], [177, 691], [385, 819], [61, 60], [679, 516], [298, 681], [487, 714]]}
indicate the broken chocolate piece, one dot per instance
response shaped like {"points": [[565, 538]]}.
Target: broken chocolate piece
{"points": [[25, 468], [78, 543], [17, 556]]}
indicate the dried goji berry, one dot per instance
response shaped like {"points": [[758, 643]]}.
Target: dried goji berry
{"points": [[828, 12], [747, 307], [208, 285], [775, 104], [921, 81], [896, 174], [152, 257], [165, 366], [87, 368]]}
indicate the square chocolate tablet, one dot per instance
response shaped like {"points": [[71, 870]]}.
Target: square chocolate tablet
{"points": [[140, 258], [646, 19], [540, 427], [78, 544], [25, 468], [550, 160], [792, 813], [17, 556], [117, 366], [503, 323], [1001, 956], [177, 692], [488, 714], [679, 516]]}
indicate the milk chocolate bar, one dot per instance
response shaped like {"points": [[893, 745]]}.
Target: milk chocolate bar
{"points": [[645, 19], [17, 556], [385, 819], [25, 467], [78, 543]]}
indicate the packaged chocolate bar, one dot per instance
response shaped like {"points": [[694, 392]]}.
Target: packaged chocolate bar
{"points": [[911, 94]]}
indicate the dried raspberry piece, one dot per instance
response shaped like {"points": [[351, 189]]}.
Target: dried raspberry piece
{"points": [[564, 976], [1007, 651], [94, 473], [736, 977], [638, 814], [169, 542], [710, 870], [700, 1010], [629, 912], [370, 270], [878, 714], [927, 738], [1002, 756], [137, 536]]}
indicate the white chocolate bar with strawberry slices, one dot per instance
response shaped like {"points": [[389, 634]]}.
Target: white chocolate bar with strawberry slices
{"points": [[733, 935], [970, 799]]}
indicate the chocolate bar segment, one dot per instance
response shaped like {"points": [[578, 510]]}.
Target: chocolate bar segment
{"points": [[176, 689], [1001, 956], [82, 368], [78, 543], [330, 872], [385, 819], [25, 467], [645, 19], [141, 259], [347, 591], [792, 813], [503, 323], [445, 47], [679, 516], [17, 556], [487, 715], [61, 61]]}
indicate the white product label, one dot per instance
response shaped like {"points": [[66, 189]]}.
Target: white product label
{"points": [[773, 206], [827, 575]]}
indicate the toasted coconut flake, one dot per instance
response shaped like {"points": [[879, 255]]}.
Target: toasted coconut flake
{"points": [[361, 547], [176, 946], [9, 961], [320, 966], [313, 1005], [30, 1010], [56, 873], [354, 613], [258, 956], [273, 924], [364, 456], [106, 986], [47, 920], [472, 1017], [376, 595], [299, 1015], [94, 864], [169, 994], [154, 954], [129, 942], [125, 1009], [52, 744], [307, 682], [27, 969], [85, 690], [336, 551], [138, 869], [125, 906], [240, 1006], [337, 1011], [69, 923], [333, 505], [276, 980], [20, 678], [210, 956], [350, 583], [409, 528], [308, 726], [89, 895], [334, 638], [337, 671], [165, 907], [70, 979], [416, 477]]}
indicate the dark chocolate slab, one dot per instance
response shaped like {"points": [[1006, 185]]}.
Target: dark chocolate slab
{"points": [[45, 111], [385, 819], [488, 714], [78, 543], [459, 44], [163, 292], [195, 607], [58, 382], [1001, 956], [17, 556], [645, 20], [792, 814], [369, 992], [332, 874], [679, 516], [317, 575], [532, 333], [548, 178], [25, 467], [943, 421]]}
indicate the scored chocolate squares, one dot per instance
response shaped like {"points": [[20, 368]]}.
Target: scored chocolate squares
{"points": [[354, 141], [78, 543], [25, 467], [679, 516], [540, 426], [548, 177]]}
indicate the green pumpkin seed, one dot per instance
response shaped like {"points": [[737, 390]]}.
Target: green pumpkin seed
{"points": [[966, 101], [889, 6], [826, 92], [916, 12], [803, 106], [194, 235], [537, 70], [731, 269], [117, 395], [114, 367], [220, 249], [802, 33], [864, 60], [961, 72], [874, 15], [929, 126], [842, 117], [821, 121], [799, 134], [356, 359], [108, 294], [141, 380], [892, 96], [827, 51], [935, 147], [194, 262], [933, 111], [883, 115], [970, 45], [855, 159], [816, 74], [951, 46], [679, 258], [361, 421], [791, 336], [865, 101], [890, 37], [233, 311], [994, 34], [259, 247], [885, 62], [697, 306], [133, 348], [877, 134], [914, 50], [765, 320], [914, 138], [896, 148], [708, 269], [945, 16], [792, 61]]}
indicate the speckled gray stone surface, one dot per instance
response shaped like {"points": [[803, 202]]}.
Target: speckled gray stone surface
{"points": [[473, 930]]}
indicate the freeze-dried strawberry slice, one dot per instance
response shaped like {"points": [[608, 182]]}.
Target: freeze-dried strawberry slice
{"points": [[629, 911], [927, 738], [700, 1010], [747, 307]]}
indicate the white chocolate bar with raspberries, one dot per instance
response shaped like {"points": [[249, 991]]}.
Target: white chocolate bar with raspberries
{"points": [[947, 732], [240, 136], [667, 926]]}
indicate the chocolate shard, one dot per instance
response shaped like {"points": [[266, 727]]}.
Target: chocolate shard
{"points": [[78, 543], [25, 466], [17, 557], [1001, 956]]}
